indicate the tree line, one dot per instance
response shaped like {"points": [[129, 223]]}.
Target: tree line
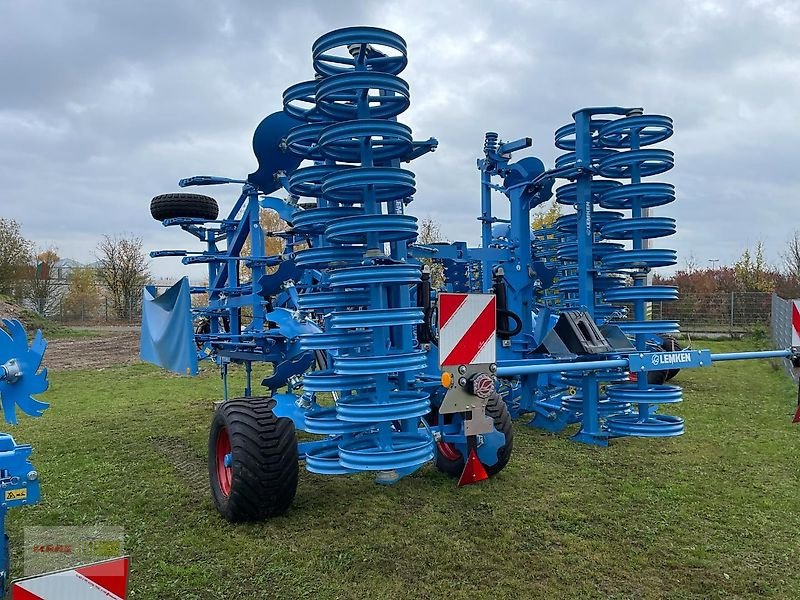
{"points": [[30, 276], [752, 272]]}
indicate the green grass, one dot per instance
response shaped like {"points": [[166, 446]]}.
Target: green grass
{"points": [[712, 514]]}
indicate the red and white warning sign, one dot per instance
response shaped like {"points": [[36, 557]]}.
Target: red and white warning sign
{"points": [[107, 580], [795, 323], [467, 329]]}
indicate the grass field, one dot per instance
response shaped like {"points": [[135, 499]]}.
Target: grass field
{"points": [[713, 514]]}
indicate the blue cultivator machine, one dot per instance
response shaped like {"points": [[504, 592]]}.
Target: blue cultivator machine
{"points": [[383, 372], [20, 380]]}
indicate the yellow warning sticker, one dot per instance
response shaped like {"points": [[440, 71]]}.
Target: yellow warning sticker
{"points": [[16, 494]]}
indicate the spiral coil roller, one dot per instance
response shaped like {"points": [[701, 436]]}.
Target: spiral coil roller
{"points": [[632, 160], [600, 152], [606, 406], [545, 244], [359, 237], [567, 253]]}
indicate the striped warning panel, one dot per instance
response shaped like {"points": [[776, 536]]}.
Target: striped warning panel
{"points": [[106, 580], [467, 326], [796, 323]]}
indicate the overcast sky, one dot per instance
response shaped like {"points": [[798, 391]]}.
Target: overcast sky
{"points": [[105, 104]]}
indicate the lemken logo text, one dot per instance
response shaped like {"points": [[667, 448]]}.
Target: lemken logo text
{"points": [[671, 358]]}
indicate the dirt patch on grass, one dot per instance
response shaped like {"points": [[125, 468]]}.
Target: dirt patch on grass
{"points": [[191, 468], [111, 346]]}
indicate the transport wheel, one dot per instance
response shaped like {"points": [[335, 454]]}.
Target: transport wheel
{"points": [[252, 460], [173, 206], [449, 458], [670, 344]]}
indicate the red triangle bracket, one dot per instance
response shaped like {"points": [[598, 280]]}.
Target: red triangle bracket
{"points": [[797, 415], [473, 470]]}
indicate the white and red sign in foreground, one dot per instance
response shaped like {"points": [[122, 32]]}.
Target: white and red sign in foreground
{"points": [[107, 580], [795, 323], [467, 329]]}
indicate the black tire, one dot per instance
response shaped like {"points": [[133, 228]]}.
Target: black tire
{"points": [[670, 344], [264, 468], [173, 206], [203, 326], [495, 408]]}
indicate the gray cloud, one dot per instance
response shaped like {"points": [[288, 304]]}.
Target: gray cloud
{"points": [[106, 104]]}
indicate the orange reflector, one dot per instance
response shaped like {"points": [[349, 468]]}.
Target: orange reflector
{"points": [[473, 471], [447, 379]]}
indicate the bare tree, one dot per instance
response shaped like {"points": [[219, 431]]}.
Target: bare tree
{"points": [[430, 232], [272, 226], [791, 257], [16, 254], [83, 294], [752, 272], [42, 289], [546, 216], [690, 263], [123, 269]]}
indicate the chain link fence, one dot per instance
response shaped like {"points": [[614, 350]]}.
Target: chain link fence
{"points": [[94, 311], [723, 313], [726, 313], [95, 308]]}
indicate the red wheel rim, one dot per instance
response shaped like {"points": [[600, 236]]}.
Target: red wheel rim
{"points": [[448, 451], [223, 471]]}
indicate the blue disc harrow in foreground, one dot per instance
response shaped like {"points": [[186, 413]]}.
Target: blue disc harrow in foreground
{"points": [[21, 378]]}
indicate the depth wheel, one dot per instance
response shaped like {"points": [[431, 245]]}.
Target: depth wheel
{"points": [[252, 460], [670, 344], [449, 458]]}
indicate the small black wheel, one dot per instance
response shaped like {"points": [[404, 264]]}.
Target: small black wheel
{"points": [[670, 344], [450, 460], [252, 460], [203, 327], [173, 206]]}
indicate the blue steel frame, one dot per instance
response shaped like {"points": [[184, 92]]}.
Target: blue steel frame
{"points": [[337, 312], [350, 291], [223, 336], [582, 263]]}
